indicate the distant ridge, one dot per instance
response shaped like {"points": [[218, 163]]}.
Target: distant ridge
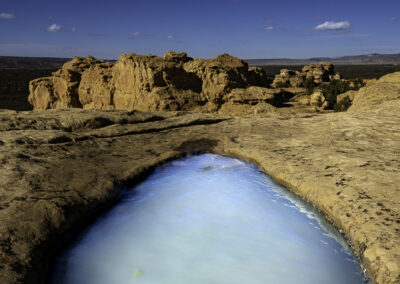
{"points": [[374, 58], [15, 62]]}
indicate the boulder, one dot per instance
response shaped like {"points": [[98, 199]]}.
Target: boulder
{"points": [[317, 99], [177, 57]]}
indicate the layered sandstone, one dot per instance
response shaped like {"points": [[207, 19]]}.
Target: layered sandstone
{"points": [[317, 72], [147, 83]]}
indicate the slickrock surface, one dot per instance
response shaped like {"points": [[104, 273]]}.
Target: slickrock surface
{"points": [[59, 168]]}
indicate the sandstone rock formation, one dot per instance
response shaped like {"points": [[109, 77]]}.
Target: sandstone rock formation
{"points": [[60, 168], [318, 72], [147, 83], [317, 99], [385, 92]]}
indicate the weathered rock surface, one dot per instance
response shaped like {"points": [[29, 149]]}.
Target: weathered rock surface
{"points": [[350, 94], [318, 72], [147, 83], [317, 99], [384, 93], [61, 167]]}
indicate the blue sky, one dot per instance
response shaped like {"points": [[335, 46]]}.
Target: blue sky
{"points": [[247, 29]]}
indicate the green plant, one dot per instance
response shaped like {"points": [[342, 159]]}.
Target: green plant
{"points": [[357, 84], [333, 89], [309, 84], [343, 105]]}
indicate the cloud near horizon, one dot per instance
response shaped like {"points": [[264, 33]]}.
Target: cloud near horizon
{"points": [[333, 26], [270, 28], [394, 19], [54, 28], [137, 34], [7, 16]]}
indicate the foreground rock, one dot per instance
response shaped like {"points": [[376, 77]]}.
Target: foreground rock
{"points": [[60, 168], [149, 83]]}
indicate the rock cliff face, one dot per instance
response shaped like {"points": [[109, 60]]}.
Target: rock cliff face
{"points": [[148, 83], [318, 72]]}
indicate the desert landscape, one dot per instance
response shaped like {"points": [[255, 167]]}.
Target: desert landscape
{"points": [[77, 133]]}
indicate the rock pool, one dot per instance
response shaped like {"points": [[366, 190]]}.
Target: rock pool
{"points": [[209, 219]]}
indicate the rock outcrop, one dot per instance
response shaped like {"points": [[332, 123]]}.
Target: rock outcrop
{"points": [[147, 83], [318, 72], [385, 92]]}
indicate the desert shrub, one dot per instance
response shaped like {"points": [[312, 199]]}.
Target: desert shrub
{"points": [[357, 84], [283, 85], [309, 84], [333, 89], [343, 105]]}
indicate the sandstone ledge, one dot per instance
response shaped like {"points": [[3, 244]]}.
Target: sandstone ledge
{"points": [[64, 166]]}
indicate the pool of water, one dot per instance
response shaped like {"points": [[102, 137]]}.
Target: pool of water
{"points": [[209, 219]]}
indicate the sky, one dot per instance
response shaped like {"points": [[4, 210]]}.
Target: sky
{"points": [[243, 28]]}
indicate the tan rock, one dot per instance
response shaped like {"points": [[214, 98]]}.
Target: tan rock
{"points": [[350, 94], [303, 99], [252, 95], [60, 90], [318, 72], [178, 57], [384, 92], [148, 83], [317, 99]]}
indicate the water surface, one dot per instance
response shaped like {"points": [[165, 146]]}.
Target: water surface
{"points": [[209, 219]]}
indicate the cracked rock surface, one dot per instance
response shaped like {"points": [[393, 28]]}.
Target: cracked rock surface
{"points": [[60, 168]]}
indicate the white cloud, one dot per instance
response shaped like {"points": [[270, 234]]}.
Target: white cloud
{"points": [[7, 16], [331, 25], [170, 37], [137, 34], [54, 28], [270, 28]]}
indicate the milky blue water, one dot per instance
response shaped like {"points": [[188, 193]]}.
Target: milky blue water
{"points": [[209, 219]]}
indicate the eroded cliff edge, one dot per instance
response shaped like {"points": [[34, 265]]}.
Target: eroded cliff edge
{"points": [[60, 167]]}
